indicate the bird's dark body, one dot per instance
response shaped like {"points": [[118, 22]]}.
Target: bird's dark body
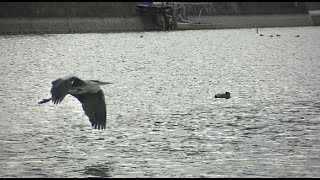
{"points": [[225, 95], [87, 92], [60, 88]]}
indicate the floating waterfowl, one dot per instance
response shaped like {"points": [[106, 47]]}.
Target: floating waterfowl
{"points": [[225, 95]]}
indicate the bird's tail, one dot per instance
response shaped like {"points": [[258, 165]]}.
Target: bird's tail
{"points": [[44, 101]]}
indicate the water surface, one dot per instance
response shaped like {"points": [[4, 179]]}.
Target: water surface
{"points": [[162, 117]]}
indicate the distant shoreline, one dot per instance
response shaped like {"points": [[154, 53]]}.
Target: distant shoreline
{"points": [[134, 24]]}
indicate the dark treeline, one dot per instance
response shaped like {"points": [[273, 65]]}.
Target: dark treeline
{"points": [[126, 9]]}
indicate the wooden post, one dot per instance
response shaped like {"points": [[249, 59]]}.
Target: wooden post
{"points": [[199, 15], [174, 19]]}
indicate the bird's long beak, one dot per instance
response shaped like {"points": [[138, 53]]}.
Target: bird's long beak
{"points": [[104, 83]]}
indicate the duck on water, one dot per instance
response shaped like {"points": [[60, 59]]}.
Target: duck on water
{"points": [[226, 95]]}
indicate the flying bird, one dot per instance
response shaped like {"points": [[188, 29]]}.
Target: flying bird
{"points": [[87, 92]]}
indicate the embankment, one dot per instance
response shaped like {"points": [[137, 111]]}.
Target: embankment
{"points": [[69, 25], [101, 17], [248, 21], [120, 24]]}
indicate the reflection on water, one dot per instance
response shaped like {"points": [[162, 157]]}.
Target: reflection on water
{"points": [[100, 170], [162, 117]]}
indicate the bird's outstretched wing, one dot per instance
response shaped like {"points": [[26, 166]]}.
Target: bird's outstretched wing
{"points": [[94, 107], [61, 87]]}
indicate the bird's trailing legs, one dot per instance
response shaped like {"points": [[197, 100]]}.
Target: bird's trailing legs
{"points": [[44, 101]]}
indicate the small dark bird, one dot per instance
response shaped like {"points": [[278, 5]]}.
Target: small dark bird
{"points": [[225, 95], [297, 36], [271, 36], [87, 92], [278, 35], [261, 35]]}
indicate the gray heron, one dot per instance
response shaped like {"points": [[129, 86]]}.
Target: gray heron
{"points": [[87, 92]]}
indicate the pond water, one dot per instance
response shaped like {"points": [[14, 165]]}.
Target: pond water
{"points": [[162, 117]]}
